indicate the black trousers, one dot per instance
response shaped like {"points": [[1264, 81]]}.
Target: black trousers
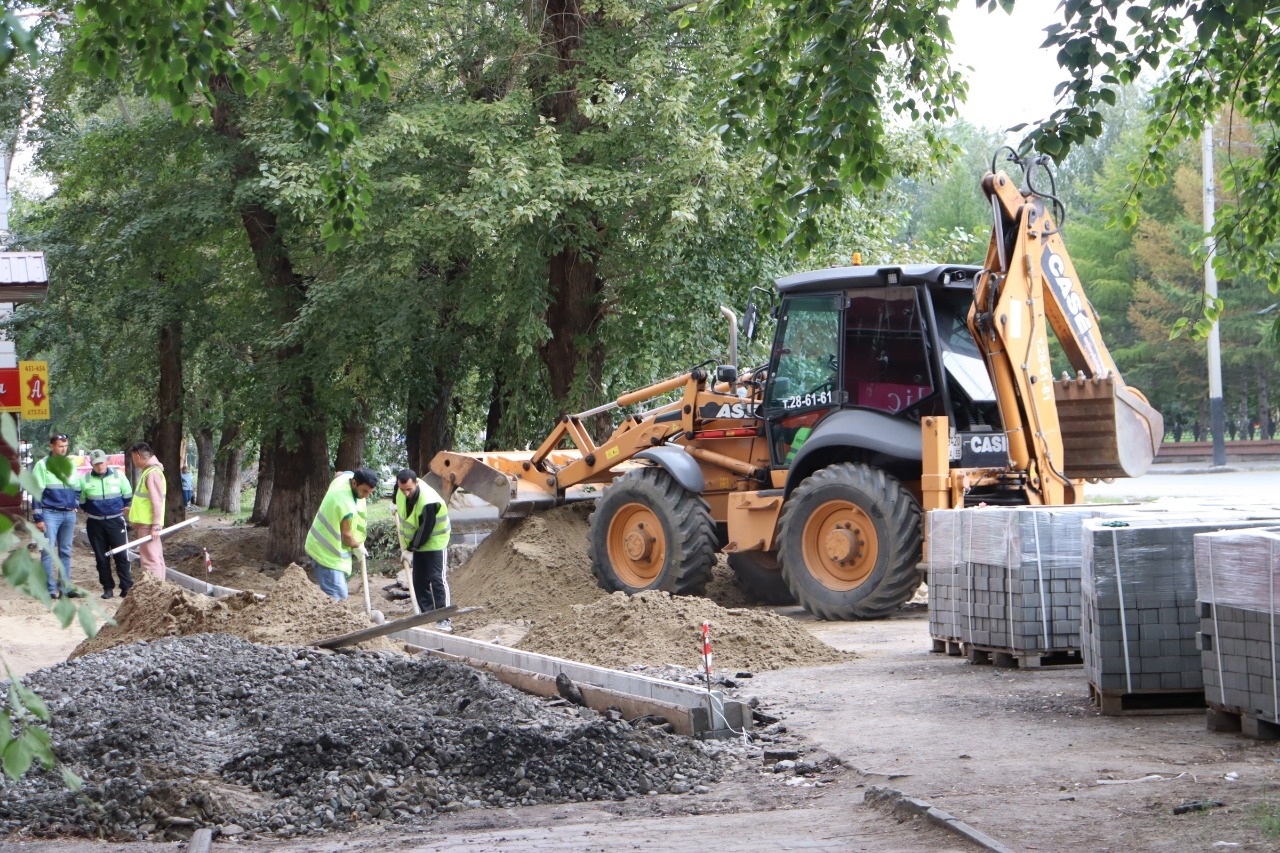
{"points": [[429, 584], [105, 534]]}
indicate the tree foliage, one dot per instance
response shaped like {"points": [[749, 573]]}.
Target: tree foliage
{"points": [[821, 90], [1213, 57]]}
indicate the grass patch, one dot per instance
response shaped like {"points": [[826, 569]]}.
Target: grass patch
{"points": [[1266, 816]]}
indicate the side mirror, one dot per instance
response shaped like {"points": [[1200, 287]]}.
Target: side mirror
{"points": [[749, 318]]}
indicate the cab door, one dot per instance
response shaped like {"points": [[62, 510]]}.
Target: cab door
{"points": [[805, 381]]}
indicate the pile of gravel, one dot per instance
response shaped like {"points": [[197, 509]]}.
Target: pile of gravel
{"points": [[210, 730]]}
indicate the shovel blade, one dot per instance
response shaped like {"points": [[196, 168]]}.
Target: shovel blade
{"points": [[491, 477], [1108, 429]]}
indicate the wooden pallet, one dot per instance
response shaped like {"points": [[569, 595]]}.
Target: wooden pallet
{"points": [[1228, 718], [949, 645], [1146, 702], [1022, 659]]}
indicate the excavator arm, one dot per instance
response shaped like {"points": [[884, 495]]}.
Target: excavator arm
{"points": [[1088, 426]]}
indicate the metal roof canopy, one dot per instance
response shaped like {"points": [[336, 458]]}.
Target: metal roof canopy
{"points": [[23, 277]]}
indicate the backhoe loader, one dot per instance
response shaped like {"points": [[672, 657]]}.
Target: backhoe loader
{"points": [[889, 391]]}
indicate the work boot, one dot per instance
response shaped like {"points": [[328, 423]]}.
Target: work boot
{"points": [[74, 593], [108, 594]]}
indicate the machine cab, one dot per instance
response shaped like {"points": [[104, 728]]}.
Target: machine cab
{"points": [[886, 340]]}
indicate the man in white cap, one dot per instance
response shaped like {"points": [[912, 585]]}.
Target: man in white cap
{"points": [[105, 495]]}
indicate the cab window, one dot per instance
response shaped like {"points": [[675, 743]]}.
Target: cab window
{"points": [[803, 370]]}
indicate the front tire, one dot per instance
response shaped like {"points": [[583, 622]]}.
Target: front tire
{"points": [[649, 532], [760, 576], [850, 542]]}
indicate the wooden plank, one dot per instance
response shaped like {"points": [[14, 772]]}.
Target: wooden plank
{"points": [[385, 628], [1147, 702], [1010, 658], [1228, 718]]}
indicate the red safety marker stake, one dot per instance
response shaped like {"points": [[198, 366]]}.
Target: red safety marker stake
{"points": [[208, 563], [706, 668]]}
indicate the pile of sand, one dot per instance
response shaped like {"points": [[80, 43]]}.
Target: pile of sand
{"points": [[293, 613], [535, 571], [657, 628], [530, 569]]}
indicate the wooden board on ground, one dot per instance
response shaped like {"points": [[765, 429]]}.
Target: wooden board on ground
{"points": [[1146, 702], [391, 627], [1023, 659], [1228, 718]]}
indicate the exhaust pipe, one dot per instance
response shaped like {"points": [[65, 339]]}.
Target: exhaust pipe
{"points": [[733, 334]]}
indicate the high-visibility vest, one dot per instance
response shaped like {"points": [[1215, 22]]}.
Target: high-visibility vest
{"points": [[324, 539], [802, 435], [105, 495], [411, 519], [140, 511]]}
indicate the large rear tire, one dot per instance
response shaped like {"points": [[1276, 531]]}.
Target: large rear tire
{"points": [[649, 532], [850, 541], [760, 576]]}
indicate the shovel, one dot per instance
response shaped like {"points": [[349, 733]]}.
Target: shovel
{"points": [[376, 615], [406, 563]]}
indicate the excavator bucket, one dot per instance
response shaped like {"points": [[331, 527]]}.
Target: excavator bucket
{"points": [[1108, 429], [485, 476]]}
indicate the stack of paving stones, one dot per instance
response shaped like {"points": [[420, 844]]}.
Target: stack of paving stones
{"points": [[1140, 613], [1238, 576], [1006, 579]]}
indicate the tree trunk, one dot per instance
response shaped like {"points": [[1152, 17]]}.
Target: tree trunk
{"points": [[226, 475], [232, 470], [302, 469], [497, 405], [204, 466], [351, 443], [299, 487], [168, 432], [437, 422], [266, 480], [574, 283], [430, 422]]}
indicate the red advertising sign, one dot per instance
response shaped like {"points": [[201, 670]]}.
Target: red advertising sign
{"points": [[10, 390]]}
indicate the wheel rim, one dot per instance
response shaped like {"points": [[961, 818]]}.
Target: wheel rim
{"points": [[840, 545], [637, 546]]}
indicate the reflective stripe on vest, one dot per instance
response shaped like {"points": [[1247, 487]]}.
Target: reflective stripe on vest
{"points": [[140, 511], [324, 539], [439, 538]]}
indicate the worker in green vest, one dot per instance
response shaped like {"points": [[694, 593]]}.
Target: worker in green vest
{"points": [[424, 535], [146, 512], [338, 530]]}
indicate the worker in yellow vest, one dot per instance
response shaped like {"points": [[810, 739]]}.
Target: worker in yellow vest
{"points": [[338, 530], [146, 512], [424, 535]]}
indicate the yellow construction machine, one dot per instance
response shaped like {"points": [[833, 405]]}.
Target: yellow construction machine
{"points": [[889, 391]]}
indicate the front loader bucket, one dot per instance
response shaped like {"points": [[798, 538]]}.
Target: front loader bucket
{"points": [[1108, 429], [482, 476]]}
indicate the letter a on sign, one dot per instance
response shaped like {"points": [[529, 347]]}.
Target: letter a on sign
{"points": [[34, 385]]}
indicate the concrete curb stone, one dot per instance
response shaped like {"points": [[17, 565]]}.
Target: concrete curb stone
{"points": [[892, 798]]}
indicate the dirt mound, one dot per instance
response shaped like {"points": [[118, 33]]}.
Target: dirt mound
{"points": [[654, 627], [536, 571], [530, 569], [293, 612]]}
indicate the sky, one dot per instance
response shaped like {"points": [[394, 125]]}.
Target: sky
{"points": [[1012, 80]]}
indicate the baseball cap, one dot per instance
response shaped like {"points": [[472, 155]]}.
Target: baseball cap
{"points": [[96, 456]]}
